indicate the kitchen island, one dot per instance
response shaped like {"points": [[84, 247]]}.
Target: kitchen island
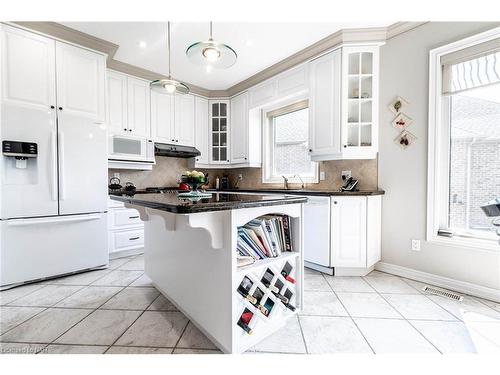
{"points": [[190, 255]]}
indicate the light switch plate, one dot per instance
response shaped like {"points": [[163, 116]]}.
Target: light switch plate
{"points": [[415, 245]]}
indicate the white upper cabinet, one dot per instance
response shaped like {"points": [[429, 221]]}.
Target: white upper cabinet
{"points": [[162, 117], [28, 73], [173, 118], [184, 120], [360, 67], [201, 129], [117, 103], [219, 117], [80, 88], [288, 83], [343, 102], [139, 109], [324, 106], [239, 129]]}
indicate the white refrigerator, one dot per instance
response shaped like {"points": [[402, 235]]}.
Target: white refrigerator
{"points": [[53, 202]]}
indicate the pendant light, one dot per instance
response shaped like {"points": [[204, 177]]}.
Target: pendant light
{"points": [[169, 85], [218, 55]]}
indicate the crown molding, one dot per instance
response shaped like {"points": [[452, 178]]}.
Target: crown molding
{"points": [[345, 36]]}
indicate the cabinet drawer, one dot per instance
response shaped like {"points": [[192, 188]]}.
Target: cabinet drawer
{"points": [[128, 239], [126, 217]]}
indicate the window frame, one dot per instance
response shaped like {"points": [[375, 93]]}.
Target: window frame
{"points": [[268, 113], [439, 151]]}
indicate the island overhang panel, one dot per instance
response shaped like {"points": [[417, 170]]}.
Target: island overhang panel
{"points": [[191, 259]]}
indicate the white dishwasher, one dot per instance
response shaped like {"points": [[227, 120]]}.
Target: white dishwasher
{"points": [[317, 232]]}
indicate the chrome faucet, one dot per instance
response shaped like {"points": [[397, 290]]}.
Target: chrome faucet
{"points": [[302, 181], [285, 182]]}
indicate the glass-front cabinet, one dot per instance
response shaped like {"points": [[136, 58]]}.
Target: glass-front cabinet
{"points": [[359, 102], [219, 131]]}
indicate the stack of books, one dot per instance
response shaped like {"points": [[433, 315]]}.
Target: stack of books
{"points": [[265, 237]]}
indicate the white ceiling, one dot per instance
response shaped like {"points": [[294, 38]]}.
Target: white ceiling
{"points": [[258, 45]]}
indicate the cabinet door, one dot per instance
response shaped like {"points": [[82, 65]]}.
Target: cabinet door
{"points": [[184, 120], [117, 103], [359, 102], [324, 106], [348, 232], [162, 117], [239, 128], [28, 69], [201, 129], [139, 110], [219, 133], [80, 82]]}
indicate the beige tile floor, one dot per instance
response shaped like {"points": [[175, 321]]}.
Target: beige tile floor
{"points": [[117, 310]]}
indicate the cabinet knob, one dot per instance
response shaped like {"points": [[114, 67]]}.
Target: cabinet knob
{"points": [[130, 130], [173, 140], [60, 108], [345, 146], [310, 150], [52, 107], [125, 129], [334, 202], [245, 158], [227, 161]]}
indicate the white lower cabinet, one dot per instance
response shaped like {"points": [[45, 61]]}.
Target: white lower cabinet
{"points": [[126, 230], [355, 232], [342, 232]]}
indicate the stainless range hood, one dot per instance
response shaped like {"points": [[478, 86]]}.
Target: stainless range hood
{"points": [[175, 151]]}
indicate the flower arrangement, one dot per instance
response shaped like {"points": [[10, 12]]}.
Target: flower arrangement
{"points": [[194, 179]]}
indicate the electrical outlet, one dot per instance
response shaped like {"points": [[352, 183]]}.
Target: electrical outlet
{"points": [[346, 175], [322, 176], [116, 174], [415, 245]]}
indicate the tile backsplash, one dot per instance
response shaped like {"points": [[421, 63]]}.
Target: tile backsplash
{"points": [[167, 171]]}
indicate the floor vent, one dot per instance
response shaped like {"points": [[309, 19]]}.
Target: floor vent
{"points": [[443, 293]]}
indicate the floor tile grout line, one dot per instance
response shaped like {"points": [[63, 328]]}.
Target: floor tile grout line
{"points": [[17, 325], [25, 295], [420, 333], [430, 299], [93, 311], [302, 334], [126, 329], [54, 306], [350, 317], [182, 334], [44, 307]]}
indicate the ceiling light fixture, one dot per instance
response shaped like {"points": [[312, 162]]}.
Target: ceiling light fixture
{"points": [[169, 85], [218, 55]]}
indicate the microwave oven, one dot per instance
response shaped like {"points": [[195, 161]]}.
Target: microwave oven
{"points": [[127, 148]]}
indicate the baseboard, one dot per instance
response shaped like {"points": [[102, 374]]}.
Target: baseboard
{"points": [[441, 281]]}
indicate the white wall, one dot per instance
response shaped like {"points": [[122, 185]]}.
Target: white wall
{"points": [[403, 173]]}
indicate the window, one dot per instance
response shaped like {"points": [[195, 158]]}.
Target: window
{"points": [[286, 145], [464, 139]]}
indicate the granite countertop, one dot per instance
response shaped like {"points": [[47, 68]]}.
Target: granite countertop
{"points": [[310, 192], [219, 201]]}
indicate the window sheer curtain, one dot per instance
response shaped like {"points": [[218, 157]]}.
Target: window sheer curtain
{"points": [[472, 67]]}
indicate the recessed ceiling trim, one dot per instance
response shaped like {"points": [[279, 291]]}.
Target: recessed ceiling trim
{"points": [[369, 35]]}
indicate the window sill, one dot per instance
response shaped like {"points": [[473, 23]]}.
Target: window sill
{"points": [[473, 243]]}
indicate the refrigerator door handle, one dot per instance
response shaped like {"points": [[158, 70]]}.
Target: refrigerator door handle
{"points": [[61, 166], [53, 219], [53, 147]]}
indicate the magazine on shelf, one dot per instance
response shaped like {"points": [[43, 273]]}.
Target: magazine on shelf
{"points": [[264, 237]]}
